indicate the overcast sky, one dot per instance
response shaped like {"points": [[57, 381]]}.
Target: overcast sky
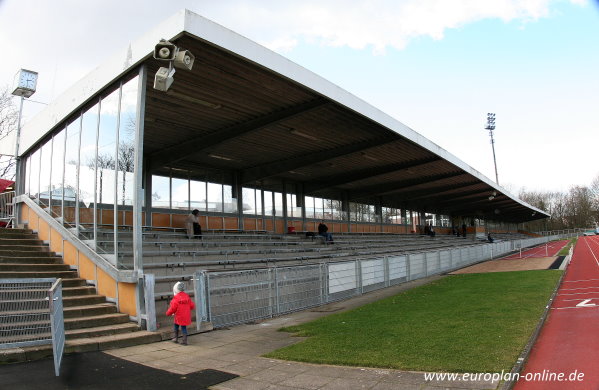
{"points": [[438, 66]]}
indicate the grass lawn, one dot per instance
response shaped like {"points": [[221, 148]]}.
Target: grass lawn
{"points": [[461, 323], [565, 250]]}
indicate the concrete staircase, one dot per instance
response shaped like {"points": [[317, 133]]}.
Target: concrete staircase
{"points": [[91, 323]]}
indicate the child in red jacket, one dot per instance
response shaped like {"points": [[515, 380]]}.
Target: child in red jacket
{"points": [[181, 307]]}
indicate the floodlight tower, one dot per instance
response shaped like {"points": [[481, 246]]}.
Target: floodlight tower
{"points": [[491, 127]]}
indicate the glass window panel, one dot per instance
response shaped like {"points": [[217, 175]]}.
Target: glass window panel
{"points": [[27, 175], [318, 208], [126, 151], [105, 162], [268, 205], [71, 162], [87, 163], [258, 202], [292, 209], [215, 197], [56, 182], [160, 192], [180, 194], [229, 203], [278, 206], [309, 205], [44, 174], [198, 195], [249, 201], [337, 210]]}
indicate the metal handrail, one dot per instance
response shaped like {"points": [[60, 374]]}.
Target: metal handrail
{"points": [[7, 208]]}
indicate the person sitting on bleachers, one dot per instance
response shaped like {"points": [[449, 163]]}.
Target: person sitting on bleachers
{"points": [[323, 230], [194, 229], [489, 238]]}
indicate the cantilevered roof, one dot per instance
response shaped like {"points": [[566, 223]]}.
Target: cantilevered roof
{"points": [[247, 114]]}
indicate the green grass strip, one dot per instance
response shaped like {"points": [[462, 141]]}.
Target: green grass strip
{"points": [[461, 323], [565, 250]]}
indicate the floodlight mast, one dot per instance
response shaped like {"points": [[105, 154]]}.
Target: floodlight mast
{"points": [[491, 127]]}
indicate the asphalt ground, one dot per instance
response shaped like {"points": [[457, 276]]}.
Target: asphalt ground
{"points": [[100, 371]]}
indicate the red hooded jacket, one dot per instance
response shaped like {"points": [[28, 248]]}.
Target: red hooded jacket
{"points": [[181, 306]]}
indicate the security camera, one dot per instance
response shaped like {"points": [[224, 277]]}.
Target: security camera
{"points": [[184, 60], [163, 79], [165, 51]]}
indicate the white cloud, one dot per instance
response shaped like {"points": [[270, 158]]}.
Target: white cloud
{"points": [[376, 24]]}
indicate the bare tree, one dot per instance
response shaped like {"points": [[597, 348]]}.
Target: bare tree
{"points": [[9, 116], [126, 163]]}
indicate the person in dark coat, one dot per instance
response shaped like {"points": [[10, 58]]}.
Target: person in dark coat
{"points": [[323, 230], [181, 307]]}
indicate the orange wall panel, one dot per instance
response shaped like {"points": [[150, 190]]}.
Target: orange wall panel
{"points": [[179, 220], [127, 298], [43, 230], [106, 285], [161, 219], [69, 254], [87, 269], [86, 215], [33, 221], [231, 223], [55, 241], [24, 212], [215, 223]]}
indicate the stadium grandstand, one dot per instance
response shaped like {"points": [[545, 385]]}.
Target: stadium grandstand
{"points": [[266, 151]]}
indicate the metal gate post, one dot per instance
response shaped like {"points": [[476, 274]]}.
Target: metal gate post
{"points": [[149, 314], [201, 301], [56, 323]]}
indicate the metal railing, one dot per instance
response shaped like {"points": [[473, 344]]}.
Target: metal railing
{"points": [[31, 314], [234, 297], [7, 208]]}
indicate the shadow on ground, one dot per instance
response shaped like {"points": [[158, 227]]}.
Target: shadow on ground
{"points": [[97, 370]]}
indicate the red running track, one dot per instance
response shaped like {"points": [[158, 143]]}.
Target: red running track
{"points": [[569, 342], [551, 249]]}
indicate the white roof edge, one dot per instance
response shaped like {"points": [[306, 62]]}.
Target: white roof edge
{"points": [[197, 25]]}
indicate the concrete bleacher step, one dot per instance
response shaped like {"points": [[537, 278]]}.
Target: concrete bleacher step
{"points": [[19, 251], [95, 321], [8, 242], [20, 267], [32, 259], [89, 310], [37, 274], [97, 331]]}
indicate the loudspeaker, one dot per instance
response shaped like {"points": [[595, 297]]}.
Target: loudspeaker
{"points": [[163, 79], [165, 51], [184, 60]]}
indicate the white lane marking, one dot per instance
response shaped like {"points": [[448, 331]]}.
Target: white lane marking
{"points": [[586, 303]]}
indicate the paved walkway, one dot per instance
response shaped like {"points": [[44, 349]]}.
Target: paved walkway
{"points": [[237, 351], [568, 344]]}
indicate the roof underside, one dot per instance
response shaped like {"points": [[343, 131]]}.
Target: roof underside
{"points": [[232, 118]]}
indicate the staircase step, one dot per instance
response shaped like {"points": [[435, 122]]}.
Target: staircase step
{"points": [[83, 300], [33, 267], [73, 282], [98, 331], [31, 260], [18, 251], [20, 241], [78, 290], [113, 341], [40, 274], [89, 310], [93, 321]]}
